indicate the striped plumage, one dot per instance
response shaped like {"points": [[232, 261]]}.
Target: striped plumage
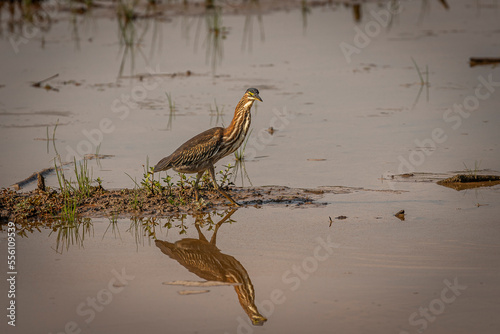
{"points": [[201, 152]]}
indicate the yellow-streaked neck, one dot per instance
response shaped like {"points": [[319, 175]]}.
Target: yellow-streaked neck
{"points": [[241, 118]]}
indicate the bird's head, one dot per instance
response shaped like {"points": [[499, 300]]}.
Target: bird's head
{"points": [[253, 94]]}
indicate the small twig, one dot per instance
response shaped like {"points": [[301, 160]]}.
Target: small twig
{"points": [[483, 61], [39, 83]]}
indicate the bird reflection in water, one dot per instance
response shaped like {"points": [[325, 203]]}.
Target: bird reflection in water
{"points": [[204, 259]]}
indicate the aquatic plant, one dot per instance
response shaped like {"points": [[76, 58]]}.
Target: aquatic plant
{"points": [[247, 38], [171, 108], [83, 179], [218, 112], [216, 33], [147, 183], [422, 82], [69, 210], [472, 172], [113, 223], [72, 232], [226, 176], [143, 229], [53, 139], [239, 156], [127, 32], [421, 77], [171, 103]]}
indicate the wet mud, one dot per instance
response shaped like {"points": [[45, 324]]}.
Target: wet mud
{"points": [[51, 205], [457, 181], [470, 181]]}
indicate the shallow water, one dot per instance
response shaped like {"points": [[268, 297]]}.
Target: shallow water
{"points": [[368, 272], [362, 117], [338, 123]]}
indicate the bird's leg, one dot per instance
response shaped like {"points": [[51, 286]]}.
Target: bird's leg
{"points": [[199, 221], [213, 240], [198, 176], [223, 193]]}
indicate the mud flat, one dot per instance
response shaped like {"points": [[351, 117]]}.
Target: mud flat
{"points": [[38, 205], [457, 181], [469, 181], [142, 202]]}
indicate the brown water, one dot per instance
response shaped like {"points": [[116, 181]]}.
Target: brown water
{"points": [[338, 122], [368, 272], [361, 117]]}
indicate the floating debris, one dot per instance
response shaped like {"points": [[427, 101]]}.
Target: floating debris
{"points": [[342, 217], [142, 76], [40, 84], [483, 61], [91, 156], [400, 214], [469, 181]]}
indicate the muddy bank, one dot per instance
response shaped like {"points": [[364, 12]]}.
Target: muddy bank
{"points": [[53, 205], [470, 181], [36, 204], [141, 202], [457, 181]]}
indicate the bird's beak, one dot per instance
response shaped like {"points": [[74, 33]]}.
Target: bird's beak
{"points": [[257, 97]]}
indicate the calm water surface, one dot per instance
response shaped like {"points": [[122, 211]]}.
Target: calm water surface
{"points": [[369, 272], [340, 120], [356, 102]]}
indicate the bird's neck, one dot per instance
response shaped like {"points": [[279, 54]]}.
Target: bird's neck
{"points": [[241, 118]]}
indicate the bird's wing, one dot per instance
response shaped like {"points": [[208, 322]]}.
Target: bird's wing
{"points": [[196, 150]]}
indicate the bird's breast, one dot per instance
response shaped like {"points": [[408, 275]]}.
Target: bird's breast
{"points": [[235, 137]]}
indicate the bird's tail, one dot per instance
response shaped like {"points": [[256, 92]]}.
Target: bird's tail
{"points": [[163, 164]]}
